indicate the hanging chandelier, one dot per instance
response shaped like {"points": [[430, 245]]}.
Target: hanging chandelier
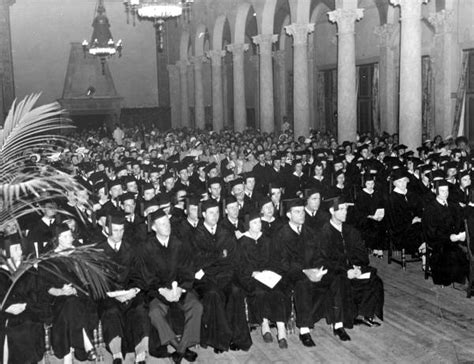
{"points": [[157, 10], [102, 44]]}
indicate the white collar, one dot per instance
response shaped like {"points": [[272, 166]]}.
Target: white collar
{"points": [[114, 246], [163, 242], [338, 228], [297, 175], [367, 191], [318, 178], [48, 221], [210, 228], [193, 223], [399, 191], [294, 227], [271, 219], [311, 213], [442, 203], [247, 234]]}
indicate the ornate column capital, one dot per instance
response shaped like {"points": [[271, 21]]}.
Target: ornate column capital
{"points": [[345, 19], [409, 8], [215, 56], [442, 21], [265, 42], [299, 32], [386, 34], [197, 61], [237, 49]]}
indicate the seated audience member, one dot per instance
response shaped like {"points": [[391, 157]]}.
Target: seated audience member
{"points": [[166, 276], [346, 254], [265, 303], [444, 231]]}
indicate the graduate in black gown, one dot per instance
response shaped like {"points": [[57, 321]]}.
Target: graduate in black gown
{"points": [[404, 212], [316, 216], [265, 304], [369, 216], [318, 292], [443, 229], [165, 275], [74, 313], [187, 227], [270, 223], [124, 317], [21, 328], [216, 263], [41, 231], [346, 254]]}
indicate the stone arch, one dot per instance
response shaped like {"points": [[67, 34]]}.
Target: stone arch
{"points": [[184, 45], [244, 11], [221, 27], [202, 35]]}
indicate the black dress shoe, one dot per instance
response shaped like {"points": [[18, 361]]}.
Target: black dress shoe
{"points": [[372, 321], [142, 362], [359, 320], [267, 337], [190, 355], [307, 340], [91, 355], [218, 351], [343, 336], [117, 361], [234, 347], [282, 343], [177, 357]]}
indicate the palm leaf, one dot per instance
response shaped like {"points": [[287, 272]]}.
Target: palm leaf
{"points": [[90, 265], [27, 129]]}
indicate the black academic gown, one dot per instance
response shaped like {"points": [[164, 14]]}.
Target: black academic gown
{"points": [[271, 228], [42, 234], [157, 267], [373, 232], [224, 319], [343, 251], [70, 314], [25, 332], [401, 209], [128, 320], [313, 300], [317, 221], [263, 301], [448, 262]]}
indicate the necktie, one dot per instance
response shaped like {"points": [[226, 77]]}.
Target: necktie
{"points": [[51, 222], [298, 229], [116, 247], [213, 230]]}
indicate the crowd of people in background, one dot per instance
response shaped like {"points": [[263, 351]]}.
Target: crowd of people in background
{"points": [[216, 232]]}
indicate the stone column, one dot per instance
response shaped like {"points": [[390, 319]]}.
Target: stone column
{"points": [[443, 22], [346, 72], [280, 67], [301, 121], [240, 107], [410, 124], [183, 81], [7, 84], [311, 83], [199, 116], [267, 112], [387, 89], [174, 91], [217, 90]]}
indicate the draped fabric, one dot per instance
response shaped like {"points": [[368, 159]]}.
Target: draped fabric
{"points": [[375, 100], [427, 97], [320, 99]]}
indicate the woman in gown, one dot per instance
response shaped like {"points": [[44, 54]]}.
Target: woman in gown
{"points": [[265, 304]]}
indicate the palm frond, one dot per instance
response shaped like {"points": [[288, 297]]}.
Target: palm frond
{"points": [[89, 265], [21, 184]]}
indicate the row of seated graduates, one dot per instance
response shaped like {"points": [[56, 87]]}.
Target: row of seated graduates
{"points": [[80, 239], [381, 181]]}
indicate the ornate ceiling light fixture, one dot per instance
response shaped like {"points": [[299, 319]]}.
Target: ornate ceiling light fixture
{"points": [[102, 44]]}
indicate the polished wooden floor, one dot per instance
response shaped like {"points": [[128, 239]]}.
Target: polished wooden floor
{"points": [[423, 324]]}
